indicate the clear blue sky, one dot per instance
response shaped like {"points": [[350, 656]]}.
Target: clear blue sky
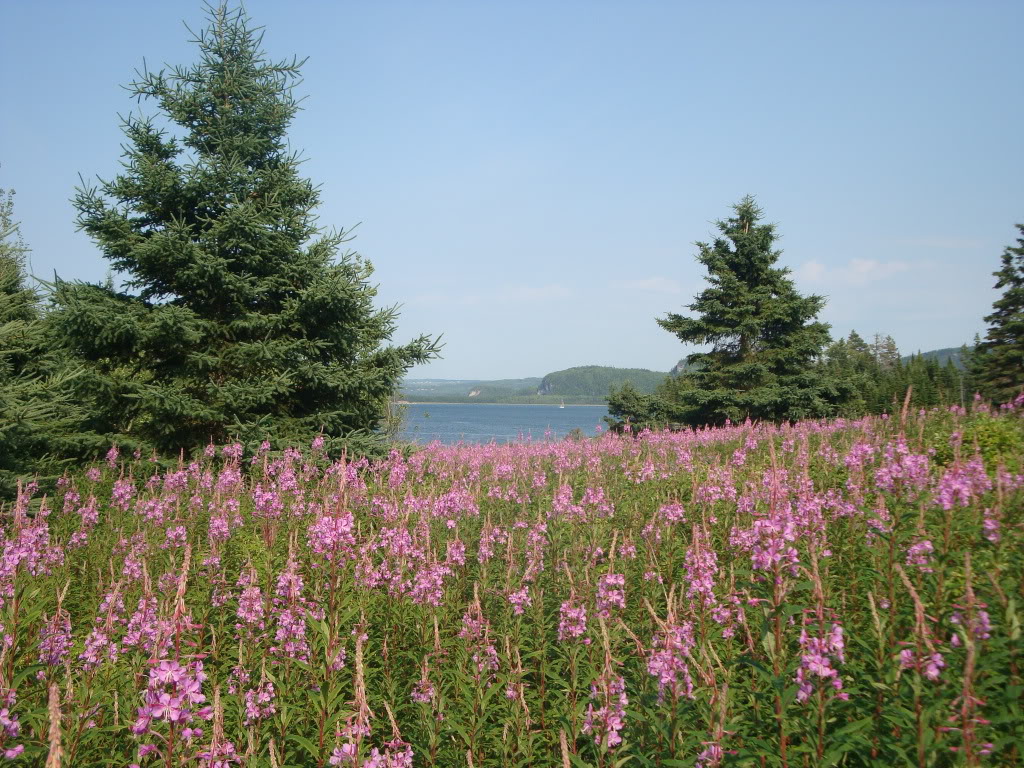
{"points": [[529, 177]]}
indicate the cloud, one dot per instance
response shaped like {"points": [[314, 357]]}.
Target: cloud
{"points": [[854, 272], [811, 271], [870, 270], [665, 285]]}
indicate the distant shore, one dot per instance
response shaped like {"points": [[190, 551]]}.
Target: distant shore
{"points": [[478, 402]]}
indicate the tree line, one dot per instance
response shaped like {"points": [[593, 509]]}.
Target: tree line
{"points": [[765, 355]]}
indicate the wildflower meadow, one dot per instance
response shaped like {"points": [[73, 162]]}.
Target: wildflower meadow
{"points": [[815, 594]]}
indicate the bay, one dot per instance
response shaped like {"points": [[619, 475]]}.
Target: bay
{"points": [[484, 422]]}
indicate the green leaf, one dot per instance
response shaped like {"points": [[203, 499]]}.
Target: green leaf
{"points": [[306, 744]]}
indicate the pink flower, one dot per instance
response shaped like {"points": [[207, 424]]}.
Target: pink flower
{"points": [[520, 601], [668, 661], [424, 692], [610, 593], [701, 568], [259, 702], [816, 662], [607, 721], [933, 666], [919, 554], [572, 622]]}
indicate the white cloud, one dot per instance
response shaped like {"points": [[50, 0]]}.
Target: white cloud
{"points": [[854, 272], [869, 270], [811, 271], [657, 284]]}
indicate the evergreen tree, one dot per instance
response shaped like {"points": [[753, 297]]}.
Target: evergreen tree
{"points": [[923, 374], [997, 366], [240, 316], [40, 422], [886, 353], [628, 406], [950, 384], [764, 336], [852, 365], [659, 409]]}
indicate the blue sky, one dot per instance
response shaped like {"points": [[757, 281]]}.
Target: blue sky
{"points": [[529, 177]]}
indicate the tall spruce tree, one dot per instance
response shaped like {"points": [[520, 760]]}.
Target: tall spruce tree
{"points": [[239, 316], [997, 365], [764, 336]]}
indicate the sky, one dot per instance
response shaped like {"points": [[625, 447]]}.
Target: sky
{"points": [[529, 178]]}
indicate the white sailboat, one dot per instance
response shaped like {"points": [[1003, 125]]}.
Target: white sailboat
{"points": [[562, 405]]}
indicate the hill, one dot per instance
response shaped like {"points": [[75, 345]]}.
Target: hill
{"points": [[582, 385], [942, 356], [596, 380], [468, 390]]}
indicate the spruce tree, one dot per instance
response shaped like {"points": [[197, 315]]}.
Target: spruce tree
{"points": [[239, 315], [886, 352], [997, 365], [40, 421], [659, 409], [851, 364], [764, 336]]}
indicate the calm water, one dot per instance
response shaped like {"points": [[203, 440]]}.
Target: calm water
{"points": [[481, 423]]}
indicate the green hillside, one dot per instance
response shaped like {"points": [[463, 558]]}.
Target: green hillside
{"points": [[468, 390], [583, 385], [596, 380], [942, 356]]}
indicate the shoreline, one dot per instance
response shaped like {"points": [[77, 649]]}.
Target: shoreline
{"points": [[552, 405]]}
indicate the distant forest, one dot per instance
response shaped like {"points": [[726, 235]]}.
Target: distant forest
{"points": [[583, 385], [881, 371]]}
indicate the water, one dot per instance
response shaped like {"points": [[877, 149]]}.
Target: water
{"points": [[483, 422]]}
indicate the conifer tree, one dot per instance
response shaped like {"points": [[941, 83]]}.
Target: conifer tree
{"points": [[886, 352], [997, 365], [657, 410], [851, 364], [40, 422], [240, 316], [765, 337]]}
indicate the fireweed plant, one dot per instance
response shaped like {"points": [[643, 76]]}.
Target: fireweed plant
{"points": [[822, 593]]}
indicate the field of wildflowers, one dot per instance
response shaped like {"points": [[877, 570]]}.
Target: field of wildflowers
{"points": [[841, 593]]}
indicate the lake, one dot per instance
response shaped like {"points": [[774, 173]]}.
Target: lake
{"points": [[483, 422]]}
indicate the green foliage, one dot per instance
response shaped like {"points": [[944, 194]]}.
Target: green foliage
{"points": [[998, 363], [998, 441], [40, 421], [240, 315], [661, 408], [873, 378], [596, 380]]}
